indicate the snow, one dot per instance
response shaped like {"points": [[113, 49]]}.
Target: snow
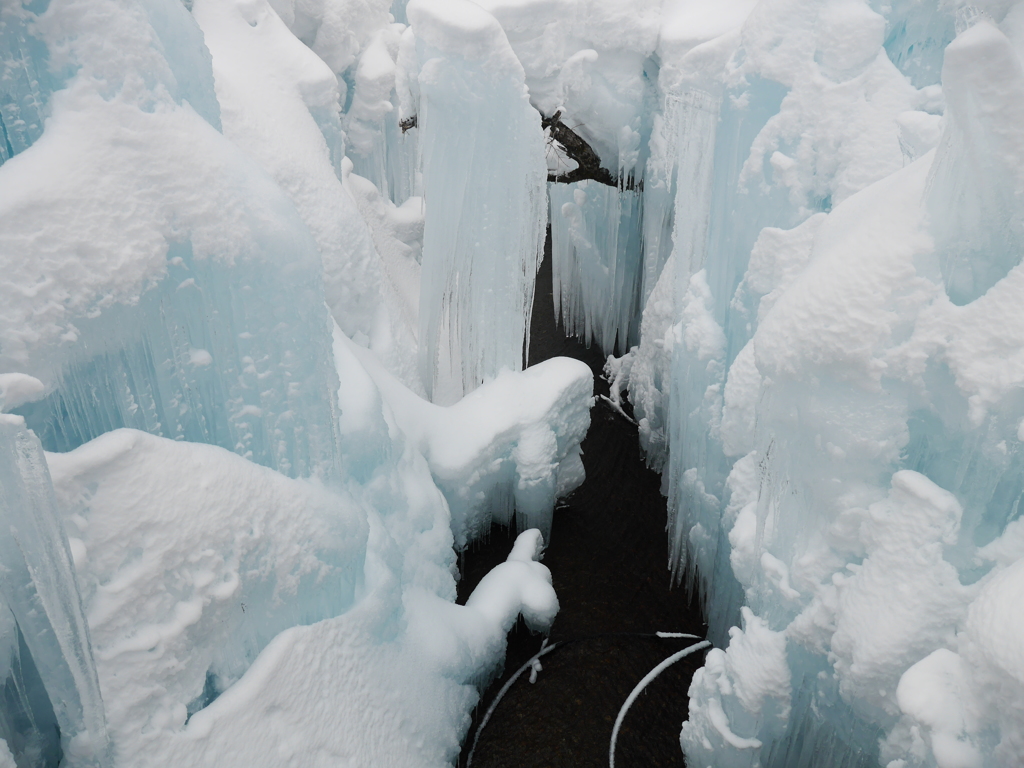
{"points": [[279, 103], [518, 585], [178, 573], [267, 276], [243, 557], [825, 367], [17, 389], [934, 694], [512, 445], [685, 24], [209, 582], [97, 302], [744, 687], [463, 29], [196, 563]]}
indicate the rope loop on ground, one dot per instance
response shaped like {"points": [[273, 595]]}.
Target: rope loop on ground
{"points": [[643, 684], [533, 664]]}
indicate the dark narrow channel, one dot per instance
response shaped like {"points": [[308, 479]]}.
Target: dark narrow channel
{"points": [[608, 559]]}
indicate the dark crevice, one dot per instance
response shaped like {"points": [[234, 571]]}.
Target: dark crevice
{"points": [[608, 558]]}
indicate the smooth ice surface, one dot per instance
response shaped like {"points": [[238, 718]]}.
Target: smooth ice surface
{"points": [[595, 273], [42, 624]]}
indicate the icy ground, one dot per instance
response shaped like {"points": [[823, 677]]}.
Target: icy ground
{"points": [[266, 274]]}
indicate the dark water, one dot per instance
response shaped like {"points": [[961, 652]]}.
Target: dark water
{"points": [[608, 559]]}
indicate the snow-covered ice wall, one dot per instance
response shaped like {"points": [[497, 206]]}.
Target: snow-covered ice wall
{"points": [[812, 238], [512, 446], [827, 373], [192, 307], [246, 556], [483, 175]]}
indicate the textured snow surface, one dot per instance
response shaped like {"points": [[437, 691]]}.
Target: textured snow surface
{"points": [[266, 275], [136, 504], [194, 563], [156, 311], [513, 445], [243, 617], [246, 553]]}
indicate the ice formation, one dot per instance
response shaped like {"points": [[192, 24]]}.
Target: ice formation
{"points": [[52, 704], [154, 313], [827, 371], [266, 270], [483, 169], [240, 547], [208, 582], [511, 446]]}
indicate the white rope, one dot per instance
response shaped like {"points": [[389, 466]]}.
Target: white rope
{"points": [[615, 406], [640, 687], [533, 664]]}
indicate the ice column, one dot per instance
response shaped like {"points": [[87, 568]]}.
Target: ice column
{"points": [[697, 362], [677, 201], [38, 590], [716, 223], [977, 179], [381, 147], [484, 187], [659, 191]]}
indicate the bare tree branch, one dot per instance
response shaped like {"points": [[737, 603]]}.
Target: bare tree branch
{"points": [[576, 148], [588, 164]]}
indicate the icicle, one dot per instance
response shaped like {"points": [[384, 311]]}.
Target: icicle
{"points": [[597, 261], [38, 588]]}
